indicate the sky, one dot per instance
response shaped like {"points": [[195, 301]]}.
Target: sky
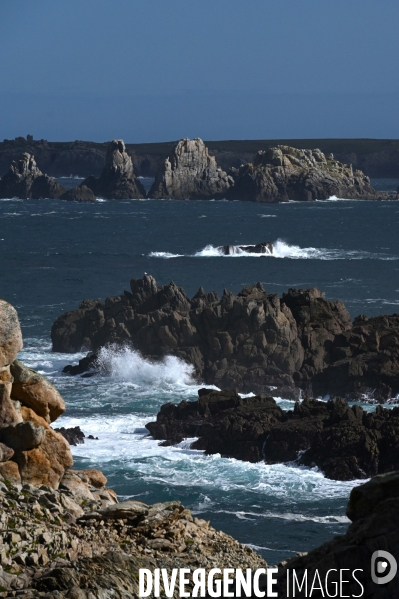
{"points": [[152, 70]]}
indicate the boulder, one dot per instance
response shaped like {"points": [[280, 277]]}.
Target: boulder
{"points": [[10, 334], [190, 173], [8, 410], [23, 436], [117, 180], [80, 193], [6, 453], [284, 173], [26, 181], [35, 391]]}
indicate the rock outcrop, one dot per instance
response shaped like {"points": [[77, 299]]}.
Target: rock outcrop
{"points": [[190, 173], [345, 443], [373, 510], [117, 180], [252, 342], [283, 173], [266, 247], [77, 542], [31, 451], [26, 181], [80, 193]]}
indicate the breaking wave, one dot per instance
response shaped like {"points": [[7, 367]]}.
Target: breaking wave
{"points": [[281, 249], [128, 365]]}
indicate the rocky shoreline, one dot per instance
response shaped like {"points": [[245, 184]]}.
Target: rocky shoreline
{"points": [[252, 342], [280, 174]]}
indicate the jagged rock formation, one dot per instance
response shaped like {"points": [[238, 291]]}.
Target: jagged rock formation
{"points": [[373, 510], [190, 173], [249, 342], [26, 181], [117, 180], [345, 443], [283, 173], [80, 193]]}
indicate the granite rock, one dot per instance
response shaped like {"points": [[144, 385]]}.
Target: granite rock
{"points": [[284, 173], [117, 180], [26, 181], [190, 173]]}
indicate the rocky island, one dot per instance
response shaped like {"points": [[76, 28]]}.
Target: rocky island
{"points": [[252, 341], [190, 172]]}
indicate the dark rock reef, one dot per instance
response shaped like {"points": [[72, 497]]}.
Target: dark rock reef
{"points": [[26, 181], [190, 173], [283, 173], [373, 509], [265, 247], [253, 341], [117, 180], [345, 443]]}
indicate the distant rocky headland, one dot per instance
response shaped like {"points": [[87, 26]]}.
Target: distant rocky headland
{"points": [[252, 341], [278, 174]]}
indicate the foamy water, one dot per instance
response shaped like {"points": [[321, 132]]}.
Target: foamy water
{"points": [[281, 249]]}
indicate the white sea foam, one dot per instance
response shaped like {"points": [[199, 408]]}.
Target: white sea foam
{"points": [[126, 364], [164, 255], [282, 249]]}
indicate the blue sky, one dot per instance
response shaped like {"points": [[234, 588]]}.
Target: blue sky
{"points": [[222, 69]]}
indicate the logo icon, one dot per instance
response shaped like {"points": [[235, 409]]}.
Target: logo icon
{"points": [[383, 567]]}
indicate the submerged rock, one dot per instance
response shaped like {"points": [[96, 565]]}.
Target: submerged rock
{"points": [[26, 181], [190, 173], [283, 173], [117, 180]]}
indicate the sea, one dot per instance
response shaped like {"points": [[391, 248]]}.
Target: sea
{"points": [[53, 254]]}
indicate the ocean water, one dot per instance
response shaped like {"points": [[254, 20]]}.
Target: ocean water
{"points": [[54, 254]]}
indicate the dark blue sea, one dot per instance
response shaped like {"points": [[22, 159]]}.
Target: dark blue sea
{"points": [[54, 254]]}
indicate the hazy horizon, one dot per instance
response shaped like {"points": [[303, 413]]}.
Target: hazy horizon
{"points": [[157, 72]]}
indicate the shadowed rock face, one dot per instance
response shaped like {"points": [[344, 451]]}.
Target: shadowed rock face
{"points": [[252, 341], [283, 173], [26, 181], [189, 173], [373, 510], [117, 180], [81, 193], [345, 443]]}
